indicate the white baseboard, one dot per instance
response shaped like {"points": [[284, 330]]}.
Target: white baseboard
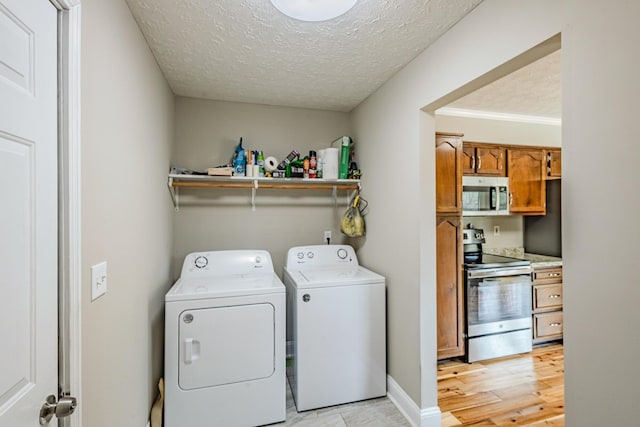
{"points": [[427, 417]]}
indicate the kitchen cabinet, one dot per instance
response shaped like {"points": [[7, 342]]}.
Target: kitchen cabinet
{"points": [[484, 159], [448, 173], [450, 288], [526, 169], [547, 304], [554, 163], [449, 283]]}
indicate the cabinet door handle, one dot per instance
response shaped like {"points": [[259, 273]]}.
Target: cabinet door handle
{"points": [[555, 324], [479, 163], [510, 198], [473, 162], [555, 296]]}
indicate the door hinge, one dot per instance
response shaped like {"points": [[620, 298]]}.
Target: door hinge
{"points": [[60, 408]]}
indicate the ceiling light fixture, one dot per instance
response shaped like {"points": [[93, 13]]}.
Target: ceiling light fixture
{"points": [[313, 10]]}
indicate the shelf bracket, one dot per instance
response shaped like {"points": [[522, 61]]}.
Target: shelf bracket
{"points": [[253, 195], [175, 195]]}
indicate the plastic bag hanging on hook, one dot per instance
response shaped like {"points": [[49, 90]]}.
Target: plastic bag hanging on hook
{"points": [[352, 223]]}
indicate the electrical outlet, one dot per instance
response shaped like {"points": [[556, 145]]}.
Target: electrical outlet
{"points": [[496, 230], [98, 280], [327, 236]]}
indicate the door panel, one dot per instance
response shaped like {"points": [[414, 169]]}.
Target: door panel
{"points": [[448, 174], [16, 225], [449, 292], [225, 345], [28, 218]]}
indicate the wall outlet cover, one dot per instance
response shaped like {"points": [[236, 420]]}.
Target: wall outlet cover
{"points": [[98, 280]]}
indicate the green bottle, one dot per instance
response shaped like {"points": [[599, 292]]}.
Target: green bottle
{"points": [[260, 163], [343, 169]]}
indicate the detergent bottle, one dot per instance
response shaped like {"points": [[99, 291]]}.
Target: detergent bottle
{"points": [[239, 160]]}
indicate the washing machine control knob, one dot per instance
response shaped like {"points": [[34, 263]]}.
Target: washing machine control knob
{"points": [[201, 262], [258, 260], [300, 255], [342, 254], [306, 297], [309, 255]]}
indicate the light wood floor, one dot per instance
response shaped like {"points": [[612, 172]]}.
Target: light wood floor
{"points": [[525, 390]]}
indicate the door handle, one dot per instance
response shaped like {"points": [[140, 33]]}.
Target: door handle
{"points": [[191, 350], [60, 408]]}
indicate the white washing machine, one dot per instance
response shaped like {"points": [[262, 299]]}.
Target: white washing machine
{"points": [[336, 327], [225, 342]]}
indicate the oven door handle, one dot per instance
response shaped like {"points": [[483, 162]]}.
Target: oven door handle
{"points": [[498, 272]]}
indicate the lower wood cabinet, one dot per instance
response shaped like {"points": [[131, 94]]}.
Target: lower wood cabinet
{"points": [[450, 286], [547, 304]]}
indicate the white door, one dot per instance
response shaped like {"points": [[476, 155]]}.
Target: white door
{"points": [[28, 210]]}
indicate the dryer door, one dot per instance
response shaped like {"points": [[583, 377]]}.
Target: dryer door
{"points": [[225, 345]]}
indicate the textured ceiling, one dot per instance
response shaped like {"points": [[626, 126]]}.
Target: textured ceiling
{"points": [[534, 90], [247, 51]]}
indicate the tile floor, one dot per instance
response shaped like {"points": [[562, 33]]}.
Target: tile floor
{"points": [[378, 412]]}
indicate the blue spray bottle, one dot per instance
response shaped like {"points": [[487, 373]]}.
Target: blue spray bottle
{"points": [[239, 160]]}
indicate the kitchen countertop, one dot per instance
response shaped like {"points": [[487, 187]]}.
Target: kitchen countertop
{"points": [[537, 261], [542, 261]]}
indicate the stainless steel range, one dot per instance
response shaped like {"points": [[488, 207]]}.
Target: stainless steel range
{"points": [[498, 301]]}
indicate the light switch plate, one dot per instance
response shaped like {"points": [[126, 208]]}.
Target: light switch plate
{"points": [[98, 280]]}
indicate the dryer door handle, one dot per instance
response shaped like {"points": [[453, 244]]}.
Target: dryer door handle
{"points": [[191, 350]]}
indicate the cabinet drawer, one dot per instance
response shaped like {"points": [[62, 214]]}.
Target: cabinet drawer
{"points": [[548, 275], [547, 296], [547, 324]]}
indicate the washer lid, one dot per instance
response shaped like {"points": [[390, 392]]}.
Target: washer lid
{"points": [[348, 276], [225, 286]]}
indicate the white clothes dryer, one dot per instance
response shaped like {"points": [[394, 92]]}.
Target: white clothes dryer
{"points": [[225, 342], [336, 326]]}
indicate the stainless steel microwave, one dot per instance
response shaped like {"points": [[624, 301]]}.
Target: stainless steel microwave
{"points": [[485, 195]]}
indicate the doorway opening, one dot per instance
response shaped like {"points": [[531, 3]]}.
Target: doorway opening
{"points": [[517, 104]]}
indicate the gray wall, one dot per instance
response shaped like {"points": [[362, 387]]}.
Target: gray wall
{"points": [[396, 132], [206, 134], [127, 131], [600, 157]]}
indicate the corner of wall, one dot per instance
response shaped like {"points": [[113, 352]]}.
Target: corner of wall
{"points": [[425, 417]]}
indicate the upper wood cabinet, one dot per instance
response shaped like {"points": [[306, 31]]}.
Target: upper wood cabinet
{"points": [[554, 163], [448, 173], [527, 170], [484, 159], [450, 288]]}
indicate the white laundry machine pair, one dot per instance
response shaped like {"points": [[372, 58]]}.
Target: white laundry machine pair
{"points": [[336, 325], [225, 342]]}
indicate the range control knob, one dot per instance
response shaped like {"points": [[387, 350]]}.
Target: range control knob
{"points": [[201, 262], [342, 254], [309, 255], [300, 255]]}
